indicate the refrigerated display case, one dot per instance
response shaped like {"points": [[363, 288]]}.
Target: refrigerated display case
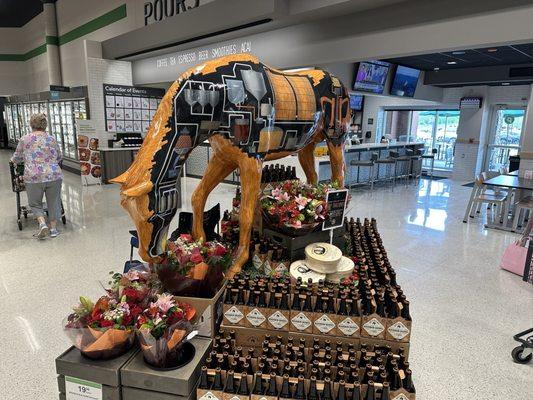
{"points": [[9, 123], [63, 116]]}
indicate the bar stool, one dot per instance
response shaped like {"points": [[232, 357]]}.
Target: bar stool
{"points": [[430, 157], [415, 165], [368, 164], [390, 167], [401, 168]]}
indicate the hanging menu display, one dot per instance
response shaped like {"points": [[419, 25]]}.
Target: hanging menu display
{"points": [[130, 109]]}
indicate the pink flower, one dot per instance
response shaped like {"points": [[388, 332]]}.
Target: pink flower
{"points": [[301, 201], [186, 237], [296, 224], [197, 258], [164, 302], [276, 192]]}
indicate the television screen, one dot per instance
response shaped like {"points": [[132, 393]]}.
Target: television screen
{"points": [[405, 81], [356, 102], [371, 76]]}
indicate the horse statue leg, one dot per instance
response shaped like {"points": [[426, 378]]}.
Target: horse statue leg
{"points": [[250, 169], [336, 158], [217, 169], [306, 156]]}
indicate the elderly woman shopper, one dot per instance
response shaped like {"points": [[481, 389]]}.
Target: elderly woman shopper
{"points": [[42, 174]]}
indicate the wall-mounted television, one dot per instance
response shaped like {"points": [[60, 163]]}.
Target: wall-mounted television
{"points": [[356, 102], [405, 81], [371, 76]]}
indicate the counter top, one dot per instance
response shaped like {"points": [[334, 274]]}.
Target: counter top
{"points": [[118, 148], [366, 146]]}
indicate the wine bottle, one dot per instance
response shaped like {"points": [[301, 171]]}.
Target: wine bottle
{"points": [[326, 392], [299, 394], [230, 383], [408, 382], [313, 394], [243, 386], [204, 380], [272, 387], [396, 382], [258, 385], [356, 392], [217, 382], [285, 392], [371, 391], [341, 393]]}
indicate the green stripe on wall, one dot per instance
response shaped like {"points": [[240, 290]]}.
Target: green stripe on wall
{"points": [[53, 40], [97, 23], [89, 27]]}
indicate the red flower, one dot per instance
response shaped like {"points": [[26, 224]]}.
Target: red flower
{"points": [[135, 310], [106, 323], [187, 237], [197, 258], [220, 250]]}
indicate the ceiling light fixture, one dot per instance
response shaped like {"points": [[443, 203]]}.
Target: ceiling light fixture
{"points": [[451, 62], [493, 50], [505, 83], [458, 52], [436, 69]]}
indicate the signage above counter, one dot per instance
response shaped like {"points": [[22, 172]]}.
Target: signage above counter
{"points": [[158, 10]]}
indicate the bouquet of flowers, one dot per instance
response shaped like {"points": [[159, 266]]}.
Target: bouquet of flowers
{"points": [[162, 329], [295, 207], [138, 285], [102, 330], [194, 268]]}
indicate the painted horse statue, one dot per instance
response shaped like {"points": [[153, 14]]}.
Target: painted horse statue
{"points": [[249, 113]]}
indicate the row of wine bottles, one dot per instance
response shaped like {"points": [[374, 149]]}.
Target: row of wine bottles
{"points": [[277, 173], [326, 360]]}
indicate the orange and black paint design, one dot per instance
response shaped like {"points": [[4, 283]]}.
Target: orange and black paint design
{"points": [[250, 110]]}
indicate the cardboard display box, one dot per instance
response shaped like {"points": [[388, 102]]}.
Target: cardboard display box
{"points": [[173, 384], [209, 312], [104, 373]]}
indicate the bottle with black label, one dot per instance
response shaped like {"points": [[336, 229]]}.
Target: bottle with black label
{"points": [[217, 382], [243, 385], [312, 394], [229, 387], [285, 392], [204, 380]]}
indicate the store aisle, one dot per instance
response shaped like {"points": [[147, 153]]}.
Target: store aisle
{"points": [[465, 309]]}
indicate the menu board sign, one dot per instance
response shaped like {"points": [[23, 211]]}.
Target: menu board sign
{"points": [[88, 152], [336, 203], [130, 108]]}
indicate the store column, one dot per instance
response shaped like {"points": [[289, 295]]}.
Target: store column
{"points": [[52, 42], [526, 149]]}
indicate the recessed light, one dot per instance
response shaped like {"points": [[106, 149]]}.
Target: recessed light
{"points": [[436, 69], [458, 52], [493, 50], [505, 83], [451, 62]]}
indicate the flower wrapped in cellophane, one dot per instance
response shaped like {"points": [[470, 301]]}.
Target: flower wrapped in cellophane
{"points": [[162, 330], [139, 285], [103, 330], [193, 268]]}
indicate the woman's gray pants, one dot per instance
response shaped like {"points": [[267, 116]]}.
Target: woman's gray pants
{"points": [[52, 191]]}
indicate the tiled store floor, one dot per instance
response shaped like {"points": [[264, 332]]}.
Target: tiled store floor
{"points": [[465, 309]]}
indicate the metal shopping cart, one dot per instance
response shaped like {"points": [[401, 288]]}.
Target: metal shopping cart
{"points": [[17, 184], [524, 353]]}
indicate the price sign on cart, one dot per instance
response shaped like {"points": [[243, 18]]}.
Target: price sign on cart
{"points": [[336, 203]]}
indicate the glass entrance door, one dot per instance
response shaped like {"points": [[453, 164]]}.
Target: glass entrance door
{"points": [[504, 139]]}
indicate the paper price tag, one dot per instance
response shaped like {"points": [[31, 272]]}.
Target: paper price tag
{"points": [[79, 389]]}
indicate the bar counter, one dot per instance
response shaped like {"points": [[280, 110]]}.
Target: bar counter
{"points": [[200, 156]]}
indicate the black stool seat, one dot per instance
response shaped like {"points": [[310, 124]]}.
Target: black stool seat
{"points": [[386, 161], [362, 163]]}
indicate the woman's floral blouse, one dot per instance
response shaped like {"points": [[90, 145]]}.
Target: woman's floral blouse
{"points": [[41, 156]]}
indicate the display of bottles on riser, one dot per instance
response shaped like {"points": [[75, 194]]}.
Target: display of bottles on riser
{"points": [[373, 306], [288, 369]]}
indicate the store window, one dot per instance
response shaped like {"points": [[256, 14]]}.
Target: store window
{"points": [[437, 129]]}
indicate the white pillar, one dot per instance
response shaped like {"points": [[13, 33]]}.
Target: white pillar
{"points": [[52, 48]]}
